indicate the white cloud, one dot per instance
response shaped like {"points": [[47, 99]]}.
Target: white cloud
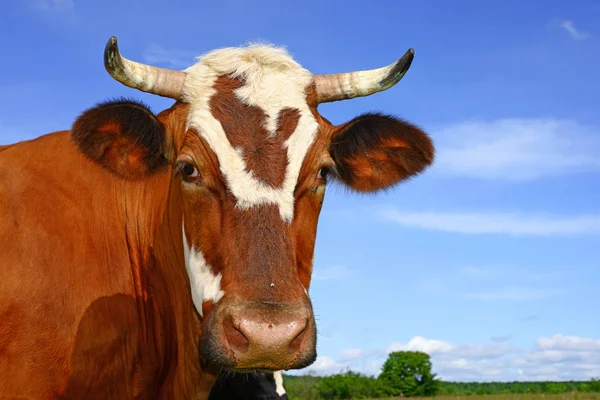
{"points": [[568, 343], [565, 357], [460, 366], [517, 224], [373, 368], [170, 58], [555, 357], [516, 149], [439, 347], [333, 272], [514, 293], [572, 31], [365, 362], [350, 354], [483, 351], [324, 363], [419, 343]]}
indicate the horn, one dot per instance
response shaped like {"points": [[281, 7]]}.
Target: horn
{"points": [[160, 81], [347, 85]]}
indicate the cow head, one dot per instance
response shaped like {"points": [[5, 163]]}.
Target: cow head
{"points": [[251, 156]]}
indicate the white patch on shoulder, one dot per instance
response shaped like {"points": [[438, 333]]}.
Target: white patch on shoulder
{"points": [[205, 285], [273, 81], [279, 383]]}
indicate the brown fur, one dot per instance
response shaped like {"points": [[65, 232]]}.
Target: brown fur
{"points": [[123, 136], [94, 312], [263, 151], [374, 152], [251, 249]]}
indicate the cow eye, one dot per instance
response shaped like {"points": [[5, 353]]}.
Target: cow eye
{"points": [[188, 172]]}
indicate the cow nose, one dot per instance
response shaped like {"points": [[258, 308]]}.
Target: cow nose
{"points": [[264, 343], [282, 336]]}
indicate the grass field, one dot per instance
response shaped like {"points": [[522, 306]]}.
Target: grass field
{"points": [[540, 396]]}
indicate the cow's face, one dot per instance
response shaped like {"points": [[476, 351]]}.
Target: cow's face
{"points": [[251, 156]]}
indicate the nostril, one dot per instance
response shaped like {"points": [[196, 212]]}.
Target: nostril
{"points": [[297, 341], [235, 337]]}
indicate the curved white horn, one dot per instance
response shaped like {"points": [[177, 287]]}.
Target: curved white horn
{"points": [[160, 81], [347, 85]]}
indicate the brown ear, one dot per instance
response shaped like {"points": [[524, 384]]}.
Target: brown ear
{"points": [[374, 152], [123, 136]]}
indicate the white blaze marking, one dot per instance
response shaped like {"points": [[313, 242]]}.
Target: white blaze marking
{"points": [[273, 81], [279, 383], [205, 285]]}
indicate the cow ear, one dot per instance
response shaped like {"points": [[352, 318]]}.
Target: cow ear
{"points": [[123, 136], [374, 152]]}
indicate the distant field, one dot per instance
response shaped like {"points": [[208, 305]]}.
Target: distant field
{"points": [[540, 396]]}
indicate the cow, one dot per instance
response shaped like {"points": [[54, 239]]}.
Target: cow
{"points": [[249, 386], [143, 253]]}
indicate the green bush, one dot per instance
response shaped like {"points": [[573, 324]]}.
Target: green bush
{"points": [[409, 373], [351, 385], [302, 387]]}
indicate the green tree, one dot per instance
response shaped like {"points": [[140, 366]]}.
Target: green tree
{"points": [[409, 373]]}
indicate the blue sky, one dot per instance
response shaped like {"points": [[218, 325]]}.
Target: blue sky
{"points": [[489, 261]]}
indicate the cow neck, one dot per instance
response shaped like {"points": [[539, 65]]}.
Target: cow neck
{"points": [[152, 218], [165, 277]]}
